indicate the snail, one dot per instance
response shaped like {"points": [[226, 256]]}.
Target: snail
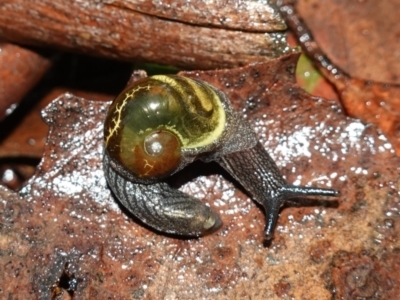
{"points": [[160, 124]]}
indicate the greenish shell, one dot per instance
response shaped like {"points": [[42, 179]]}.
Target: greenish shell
{"points": [[178, 113]]}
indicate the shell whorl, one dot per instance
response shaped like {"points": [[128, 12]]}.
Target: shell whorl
{"points": [[188, 115]]}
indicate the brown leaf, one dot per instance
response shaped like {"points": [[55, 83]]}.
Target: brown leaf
{"points": [[372, 102], [22, 143], [362, 275], [360, 37], [28, 138], [65, 233], [21, 69]]}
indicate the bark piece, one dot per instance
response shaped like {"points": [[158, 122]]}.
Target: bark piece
{"points": [[104, 29], [239, 14]]}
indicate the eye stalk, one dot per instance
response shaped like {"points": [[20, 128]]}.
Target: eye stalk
{"points": [[160, 124]]}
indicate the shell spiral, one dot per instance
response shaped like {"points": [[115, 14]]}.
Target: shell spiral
{"points": [[155, 120]]}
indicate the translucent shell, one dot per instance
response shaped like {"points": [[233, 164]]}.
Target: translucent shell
{"points": [[156, 119]]}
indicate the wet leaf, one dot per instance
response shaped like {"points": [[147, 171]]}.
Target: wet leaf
{"points": [[22, 143], [64, 233], [363, 35], [21, 69], [360, 37]]}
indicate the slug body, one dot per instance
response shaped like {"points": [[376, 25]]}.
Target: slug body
{"points": [[160, 124]]}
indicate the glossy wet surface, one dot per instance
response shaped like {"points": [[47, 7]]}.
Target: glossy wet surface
{"points": [[65, 233]]}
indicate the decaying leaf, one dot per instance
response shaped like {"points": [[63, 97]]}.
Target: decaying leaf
{"points": [[64, 233], [21, 69], [360, 37], [370, 101]]}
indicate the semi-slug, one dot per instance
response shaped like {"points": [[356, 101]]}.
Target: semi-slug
{"points": [[160, 124]]}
